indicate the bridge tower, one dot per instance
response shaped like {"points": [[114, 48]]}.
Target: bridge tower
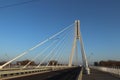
{"points": [[78, 37]]}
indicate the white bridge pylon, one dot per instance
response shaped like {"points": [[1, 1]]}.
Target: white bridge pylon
{"points": [[78, 37], [60, 49]]}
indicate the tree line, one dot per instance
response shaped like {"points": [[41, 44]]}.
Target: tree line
{"points": [[32, 63], [109, 63]]}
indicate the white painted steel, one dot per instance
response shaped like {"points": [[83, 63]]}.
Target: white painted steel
{"points": [[79, 37]]}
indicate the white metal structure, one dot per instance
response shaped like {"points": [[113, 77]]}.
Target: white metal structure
{"points": [[79, 38]]}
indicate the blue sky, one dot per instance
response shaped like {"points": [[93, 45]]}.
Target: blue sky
{"points": [[23, 26]]}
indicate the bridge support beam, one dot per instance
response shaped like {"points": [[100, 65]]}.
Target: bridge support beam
{"points": [[78, 37]]}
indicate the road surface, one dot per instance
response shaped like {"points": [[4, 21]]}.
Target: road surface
{"points": [[99, 75]]}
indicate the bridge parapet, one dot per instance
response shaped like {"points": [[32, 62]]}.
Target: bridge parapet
{"points": [[112, 70], [17, 72], [9, 74]]}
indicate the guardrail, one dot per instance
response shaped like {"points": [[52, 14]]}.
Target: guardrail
{"points": [[112, 70], [5, 74], [15, 72]]}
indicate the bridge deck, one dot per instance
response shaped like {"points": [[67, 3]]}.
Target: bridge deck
{"points": [[99, 75]]}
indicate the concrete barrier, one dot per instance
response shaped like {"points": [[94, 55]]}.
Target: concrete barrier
{"points": [[80, 75], [8, 73], [112, 70], [5, 74]]}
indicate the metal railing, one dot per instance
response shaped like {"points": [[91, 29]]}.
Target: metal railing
{"points": [[9, 74], [16, 72]]}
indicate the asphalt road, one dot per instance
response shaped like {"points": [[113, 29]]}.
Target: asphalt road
{"points": [[67, 74]]}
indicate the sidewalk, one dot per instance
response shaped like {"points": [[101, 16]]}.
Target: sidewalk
{"points": [[99, 75]]}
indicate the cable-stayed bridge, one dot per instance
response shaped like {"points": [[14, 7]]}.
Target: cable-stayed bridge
{"points": [[58, 55]]}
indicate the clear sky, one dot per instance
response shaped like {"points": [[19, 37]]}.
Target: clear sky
{"points": [[23, 26]]}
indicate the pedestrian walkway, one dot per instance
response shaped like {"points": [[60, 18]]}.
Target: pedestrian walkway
{"points": [[99, 75]]}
